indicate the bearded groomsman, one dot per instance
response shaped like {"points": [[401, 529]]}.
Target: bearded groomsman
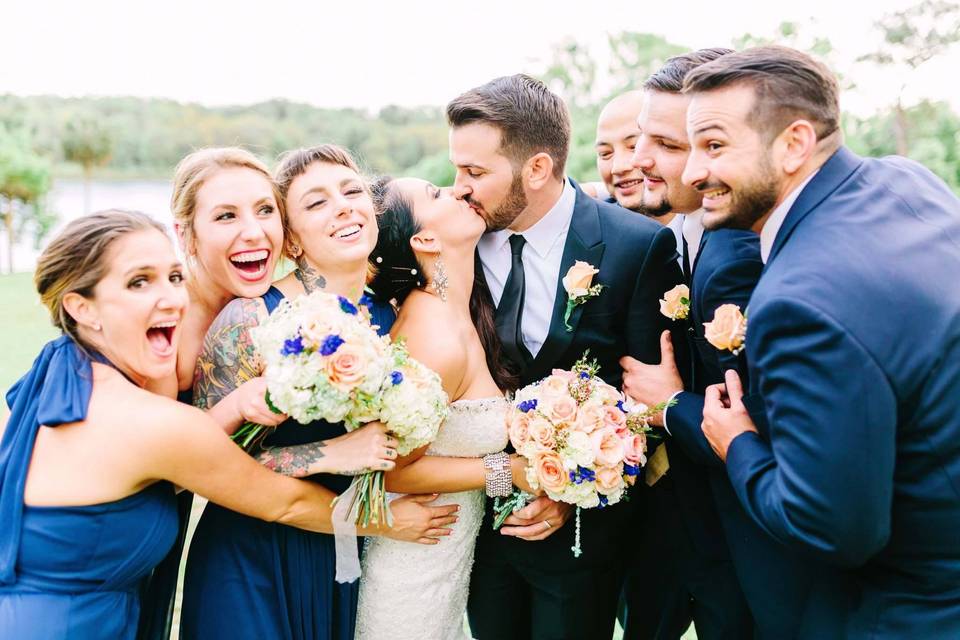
{"points": [[617, 134], [846, 446], [509, 140], [685, 567]]}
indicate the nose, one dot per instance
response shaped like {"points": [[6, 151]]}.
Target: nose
{"points": [[622, 162], [460, 188], [252, 229], [173, 298], [695, 171], [642, 158]]}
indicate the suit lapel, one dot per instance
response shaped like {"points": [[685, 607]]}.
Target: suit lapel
{"points": [[832, 174], [583, 243]]}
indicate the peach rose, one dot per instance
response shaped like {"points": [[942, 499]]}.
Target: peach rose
{"points": [[578, 279], [561, 410], [635, 449], [346, 367], [675, 303], [727, 330], [551, 474], [607, 394], [607, 447], [554, 386], [541, 432], [567, 376], [590, 418], [614, 418], [315, 331], [609, 480], [518, 428]]}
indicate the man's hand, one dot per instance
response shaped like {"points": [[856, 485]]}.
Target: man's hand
{"points": [[537, 520], [652, 384], [724, 416]]}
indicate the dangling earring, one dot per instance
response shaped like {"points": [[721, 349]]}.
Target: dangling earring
{"points": [[440, 281]]}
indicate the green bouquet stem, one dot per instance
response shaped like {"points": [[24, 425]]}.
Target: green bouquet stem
{"points": [[248, 435], [513, 503], [369, 505]]}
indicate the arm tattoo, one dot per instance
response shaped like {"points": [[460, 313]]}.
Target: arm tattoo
{"points": [[292, 461], [228, 357], [309, 277]]}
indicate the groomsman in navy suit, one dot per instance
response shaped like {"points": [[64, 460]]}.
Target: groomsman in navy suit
{"points": [[684, 564], [509, 140], [846, 445]]}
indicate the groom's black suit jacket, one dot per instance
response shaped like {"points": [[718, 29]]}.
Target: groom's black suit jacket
{"points": [[637, 263]]}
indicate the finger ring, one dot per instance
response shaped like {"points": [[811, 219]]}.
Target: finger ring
{"points": [[547, 525], [388, 452]]}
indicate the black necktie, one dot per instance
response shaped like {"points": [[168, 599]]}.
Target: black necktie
{"points": [[510, 310], [686, 260]]}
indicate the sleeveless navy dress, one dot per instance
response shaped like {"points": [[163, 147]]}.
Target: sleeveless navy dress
{"points": [[71, 572], [247, 578]]}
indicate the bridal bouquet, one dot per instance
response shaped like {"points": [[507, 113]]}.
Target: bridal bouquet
{"points": [[583, 441], [325, 361]]}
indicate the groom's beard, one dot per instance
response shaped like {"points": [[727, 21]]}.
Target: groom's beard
{"points": [[512, 206]]}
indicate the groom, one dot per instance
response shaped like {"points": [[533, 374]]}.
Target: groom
{"points": [[509, 140], [846, 446]]}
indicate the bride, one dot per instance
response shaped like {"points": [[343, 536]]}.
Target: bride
{"points": [[424, 260]]}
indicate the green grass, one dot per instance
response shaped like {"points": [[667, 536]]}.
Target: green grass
{"points": [[24, 327]]}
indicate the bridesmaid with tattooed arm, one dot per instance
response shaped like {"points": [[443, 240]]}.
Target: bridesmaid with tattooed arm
{"points": [[246, 578]]}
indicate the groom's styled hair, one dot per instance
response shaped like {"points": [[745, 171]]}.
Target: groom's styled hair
{"points": [[531, 118], [788, 85], [669, 78]]}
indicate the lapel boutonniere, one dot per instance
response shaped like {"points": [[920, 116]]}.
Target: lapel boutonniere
{"points": [[728, 330], [578, 287], [675, 303]]}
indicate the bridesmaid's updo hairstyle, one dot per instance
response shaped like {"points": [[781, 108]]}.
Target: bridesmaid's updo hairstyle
{"points": [[195, 169], [75, 261], [397, 272], [295, 163]]}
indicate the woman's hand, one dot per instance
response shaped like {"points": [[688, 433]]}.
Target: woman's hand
{"points": [[518, 467], [414, 520], [368, 448], [250, 403]]}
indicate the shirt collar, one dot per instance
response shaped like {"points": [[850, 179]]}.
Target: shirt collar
{"points": [[768, 234], [693, 230]]}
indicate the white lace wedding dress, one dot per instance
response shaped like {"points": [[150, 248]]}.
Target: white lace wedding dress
{"points": [[419, 592]]}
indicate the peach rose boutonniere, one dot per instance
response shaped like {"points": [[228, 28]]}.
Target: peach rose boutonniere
{"points": [[579, 287], [728, 330], [675, 303]]}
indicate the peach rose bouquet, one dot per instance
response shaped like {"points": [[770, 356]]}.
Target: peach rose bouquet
{"points": [[325, 361], [583, 441]]}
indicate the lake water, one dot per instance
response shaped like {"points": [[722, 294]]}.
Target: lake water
{"points": [[66, 200]]}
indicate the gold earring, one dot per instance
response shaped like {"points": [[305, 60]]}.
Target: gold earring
{"points": [[295, 250]]}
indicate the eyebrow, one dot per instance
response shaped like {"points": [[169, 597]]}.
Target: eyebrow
{"points": [[322, 189], [708, 127], [145, 267]]}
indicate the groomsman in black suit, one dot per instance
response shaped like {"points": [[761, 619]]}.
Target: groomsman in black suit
{"points": [[509, 141], [685, 563], [846, 446]]}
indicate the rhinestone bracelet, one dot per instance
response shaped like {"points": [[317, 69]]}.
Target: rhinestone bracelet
{"points": [[499, 476]]}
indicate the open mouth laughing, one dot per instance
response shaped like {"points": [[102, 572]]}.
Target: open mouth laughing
{"points": [[251, 265], [160, 337]]}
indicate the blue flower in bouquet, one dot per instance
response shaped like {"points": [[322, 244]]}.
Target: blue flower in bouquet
{"points": [[346, 306], [582, 474], [292, 347], [631, 470], [527, 405], [396, 377], [366, 301], [330, 345]]}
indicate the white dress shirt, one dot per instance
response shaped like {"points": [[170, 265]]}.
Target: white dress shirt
{"points": [[541, 266], [768, 234], [676, 225], [693, 232]]}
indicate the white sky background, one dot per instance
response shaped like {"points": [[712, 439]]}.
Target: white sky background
{"points": [[367, 54]]}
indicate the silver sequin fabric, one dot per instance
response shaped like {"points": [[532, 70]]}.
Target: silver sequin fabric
{"points": [[419, 592]]}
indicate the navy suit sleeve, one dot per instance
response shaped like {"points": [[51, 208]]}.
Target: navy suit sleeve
{"points": [[684, 419], [824, 482], [658, 274]]}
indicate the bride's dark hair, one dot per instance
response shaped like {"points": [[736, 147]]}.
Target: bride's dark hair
{"points": [[398, 272]]}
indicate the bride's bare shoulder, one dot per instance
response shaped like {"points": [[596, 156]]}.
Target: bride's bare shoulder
{"points": [[429, 329]]}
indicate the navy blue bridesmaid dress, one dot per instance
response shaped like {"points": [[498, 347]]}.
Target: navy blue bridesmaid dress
{"points": [[71, 572], [247, 578]]}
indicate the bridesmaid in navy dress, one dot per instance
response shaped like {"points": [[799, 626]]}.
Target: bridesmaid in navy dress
{"points": [[249, 579], [87, 456]]}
